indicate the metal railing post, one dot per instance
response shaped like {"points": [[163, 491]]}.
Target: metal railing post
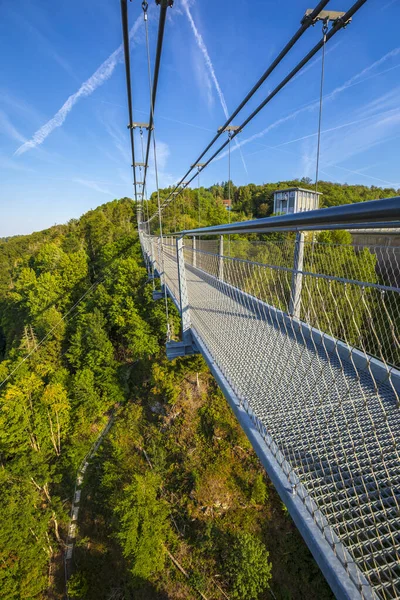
{"points": [[297, 278], [194, 260], [160, 261], [183, 293], [148, 247], [153, 255], [143, 243], [221, 258]]}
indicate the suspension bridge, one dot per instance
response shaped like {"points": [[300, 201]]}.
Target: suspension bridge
{"points": [[302, 337]]}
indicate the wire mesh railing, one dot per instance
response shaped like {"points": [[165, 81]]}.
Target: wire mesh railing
{"points": [[171, 267], [311, 348]]}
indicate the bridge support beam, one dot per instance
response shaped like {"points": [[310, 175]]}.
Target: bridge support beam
{"points": [[186, 346], [221, 258], [297, 277], [158, 295]]}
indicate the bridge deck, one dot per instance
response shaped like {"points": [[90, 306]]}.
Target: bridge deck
{"points": [[336, 425]]}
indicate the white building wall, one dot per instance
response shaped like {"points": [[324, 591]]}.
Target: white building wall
{"points": [[288, 202]]}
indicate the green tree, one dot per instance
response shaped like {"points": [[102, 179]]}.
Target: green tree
{"points": [[144, 525], [78, 585], [248, 568]]}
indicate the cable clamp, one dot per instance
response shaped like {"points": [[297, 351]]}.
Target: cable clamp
{"points": [[325, 28]]}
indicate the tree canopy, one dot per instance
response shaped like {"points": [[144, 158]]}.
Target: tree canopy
{"points": [[81, 337]]}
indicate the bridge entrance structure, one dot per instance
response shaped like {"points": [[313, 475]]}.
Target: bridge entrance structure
{"points": [[303, 339]]}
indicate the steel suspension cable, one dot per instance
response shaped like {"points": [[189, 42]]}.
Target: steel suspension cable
{"points": [[144, 190], [198, 193], [337, 26], [153, 90], [324, 32], [125, 35], [150, 265], [140, 169], [305, 24], [174, 218], [164, 4], [321, 96], [184, 211], [229, 190], [151, 122]]}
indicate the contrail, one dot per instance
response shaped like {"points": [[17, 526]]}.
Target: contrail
{"points": [[359, 75], [210, 66], [388, 4], [145, 112], [343, 125], [204, 51], [93, 185], [280, 149], [87, 88], [356, 79]]}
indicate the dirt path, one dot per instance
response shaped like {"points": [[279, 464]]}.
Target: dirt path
{"points": [[69, 550]]}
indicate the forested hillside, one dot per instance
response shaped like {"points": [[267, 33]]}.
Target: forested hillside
{"points": [[80, 336], [254, 201]]}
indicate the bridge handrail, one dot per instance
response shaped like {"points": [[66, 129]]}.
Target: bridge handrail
{"points": [[313, 368], [374, 214]]}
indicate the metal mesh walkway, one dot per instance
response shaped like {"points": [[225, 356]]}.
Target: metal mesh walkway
{"points": [[328, 410]]}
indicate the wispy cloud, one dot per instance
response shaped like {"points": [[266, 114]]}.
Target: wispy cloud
{"points": [[358, 78], [383, 103], [121, 143], [376, 123], [355, 141], [163, 153], [211, 70], [385, 6], [100, 76], [19, 107], [93, 185], [202, 77], [7, 163], [123, 175], [8, 129], [25, 19], [273, 125], [308, 164], [120, 140], [206, 56], [371, 177], [361, 74], [145, 112], [164, 175], [358, 135], [382, 116], [316, 60], [46, 44], [22, 112]]}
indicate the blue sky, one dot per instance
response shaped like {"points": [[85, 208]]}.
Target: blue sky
{"points": [[64, 146]]}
